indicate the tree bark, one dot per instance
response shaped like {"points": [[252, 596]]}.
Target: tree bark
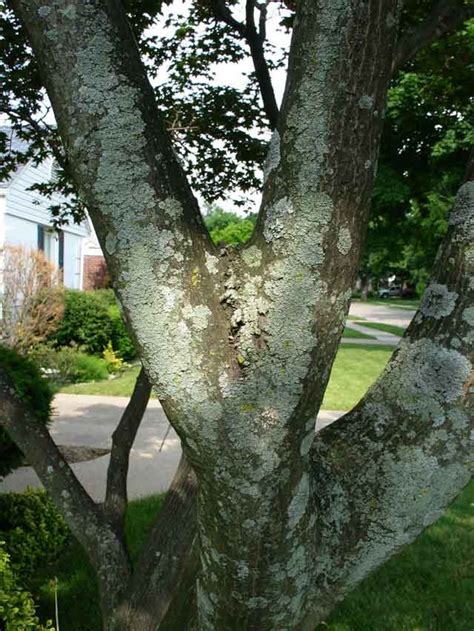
{"points": [[240, 343]]}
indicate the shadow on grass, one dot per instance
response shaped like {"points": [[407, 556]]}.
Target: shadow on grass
{"points": [[429, 586]]}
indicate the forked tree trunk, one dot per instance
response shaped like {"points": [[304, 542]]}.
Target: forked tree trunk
{"points": [[240, 344]]}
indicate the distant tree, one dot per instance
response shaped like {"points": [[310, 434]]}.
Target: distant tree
{"points": [[425, 145], [228, 228]]}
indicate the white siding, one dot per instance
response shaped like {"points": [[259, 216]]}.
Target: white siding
{"points": [[21, 232], [21, 202], [72, 260], [24, 210]]}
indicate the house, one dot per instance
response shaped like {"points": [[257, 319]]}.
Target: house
{"points": [[25, 218], [94, 273]]}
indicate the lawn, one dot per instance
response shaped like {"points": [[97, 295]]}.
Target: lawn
{"points": [[426, 587], [398, 303], [355, 369], [120, 386], [348, 332], [388, 328]]}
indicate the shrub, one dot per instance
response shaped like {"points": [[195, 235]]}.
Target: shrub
{"points": [[17, 609], [32, 298], [89, 368], [32, 528], [112, 359], [69, 365], [92, 319], [86, 322], [36, 394]]}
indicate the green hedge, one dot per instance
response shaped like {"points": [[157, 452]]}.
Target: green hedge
{"points": [[33, 530], [86, 322], [36, 394], [67, 365], [17, 608], [91, 319]]}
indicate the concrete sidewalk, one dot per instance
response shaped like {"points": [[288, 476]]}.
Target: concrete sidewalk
{"points": [[381, 337], [90, 420], [381, 313]]}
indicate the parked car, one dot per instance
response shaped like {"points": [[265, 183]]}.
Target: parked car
{"points": [[389, 292]]}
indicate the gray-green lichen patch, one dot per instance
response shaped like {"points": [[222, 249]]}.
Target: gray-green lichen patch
{"points": [[198, 316], [252, 256], [468, 315], [390, 20], [424, 378], [212, 263], [110, 243], [273, 156], [171, 207], [69, 12], [438, 302], [366, 102], [298, 505], [277, 218], [344, 240], [44, 11], [463, 211]]}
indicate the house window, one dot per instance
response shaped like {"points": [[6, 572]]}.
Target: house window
{"points": [[41, 238], [45, 241], [61, 249]]}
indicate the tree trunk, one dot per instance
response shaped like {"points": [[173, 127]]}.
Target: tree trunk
{"points": [[240, 343]]}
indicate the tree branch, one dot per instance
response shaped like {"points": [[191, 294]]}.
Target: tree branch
{"points": [[125, 171], [446, 17], [409, 439], [101, 543], [122, 441], [255, 40], [166, 559], [223, 13]]}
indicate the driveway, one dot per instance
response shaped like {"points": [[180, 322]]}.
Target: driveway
{"points": [[83, 420]]}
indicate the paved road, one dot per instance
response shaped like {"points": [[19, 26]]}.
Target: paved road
{"points": [[90, 420]]}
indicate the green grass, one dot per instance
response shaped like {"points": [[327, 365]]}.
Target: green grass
{"points": [[398, 303], [352, 333], [121, 386], [388, 328], [427, 587], [79, 608], [354, 371]]}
